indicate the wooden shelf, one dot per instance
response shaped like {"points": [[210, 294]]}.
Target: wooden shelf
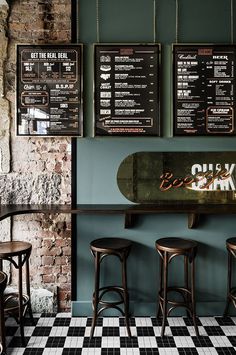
{"points": [[130, 212]]}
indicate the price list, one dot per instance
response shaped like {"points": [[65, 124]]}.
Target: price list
{"points": [[49, 90], [204, 89], [127, 89]]}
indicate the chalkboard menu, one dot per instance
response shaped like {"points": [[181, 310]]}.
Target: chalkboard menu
{"points": [[127, 89], [49, 90], [204, 89]]}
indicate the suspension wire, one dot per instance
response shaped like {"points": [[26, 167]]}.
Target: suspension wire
{"points": [[97, 21], [232, 20], [78, 22], [154, 21], [176, 21]]}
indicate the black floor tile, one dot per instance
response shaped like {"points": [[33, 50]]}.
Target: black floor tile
{"points": [[41, 331], [95, 342], [111, 331], [55, 342], [76, 331]]}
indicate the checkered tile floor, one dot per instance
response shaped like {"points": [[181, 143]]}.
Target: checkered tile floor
{"points": [[56, 334]]}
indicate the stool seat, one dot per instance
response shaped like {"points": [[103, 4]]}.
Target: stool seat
{"points": [[14, 248], [174, 245], [101, 248], [106, 245], [231, 243]]}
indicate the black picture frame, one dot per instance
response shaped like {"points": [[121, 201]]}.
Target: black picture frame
{"points": [[49, 90], [204, 89], [127, 89]]}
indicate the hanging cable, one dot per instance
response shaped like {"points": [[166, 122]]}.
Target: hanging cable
{"points": [[154, 21], [176, 21], [97, 21], [78, 22], [232, 20]]}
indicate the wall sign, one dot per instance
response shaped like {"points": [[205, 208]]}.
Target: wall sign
{"points": [[127, 89], [204, 89], [150, 177], [49, 89]]}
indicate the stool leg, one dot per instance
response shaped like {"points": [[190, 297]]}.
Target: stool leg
{"points": [[96, 292], [160, 286], [2, 325], [20, 286], [126, 295], [28, 291], [229, 281], [186, 280], [165, 285], [193, 297]]}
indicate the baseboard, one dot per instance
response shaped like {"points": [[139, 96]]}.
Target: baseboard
{"points": [[142, 309]]}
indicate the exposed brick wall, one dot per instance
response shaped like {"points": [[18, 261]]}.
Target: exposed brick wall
{"points": [[40, 168], [50, 236]]}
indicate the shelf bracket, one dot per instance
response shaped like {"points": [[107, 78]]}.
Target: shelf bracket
{"points": [[193, 220], [130, 219]]}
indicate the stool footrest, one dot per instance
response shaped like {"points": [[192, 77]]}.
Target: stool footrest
{"points": [[114, 307], [11, 302], [182, 291], [110, 304]]}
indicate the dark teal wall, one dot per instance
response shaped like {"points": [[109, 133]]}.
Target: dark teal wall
{"points": [[201, 21]]}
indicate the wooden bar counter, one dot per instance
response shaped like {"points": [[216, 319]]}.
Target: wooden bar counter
{"points": [[130, 211]]}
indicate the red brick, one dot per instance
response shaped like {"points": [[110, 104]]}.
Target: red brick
{"points": [[61, 243], [67, 251], [63, 295], [61, 260], [47, 270], [49, 279], [47, 260], [54, 251]]}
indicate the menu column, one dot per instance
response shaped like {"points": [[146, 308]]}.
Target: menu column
{"points": [[204, 89], [49, 90], [127, 90]]}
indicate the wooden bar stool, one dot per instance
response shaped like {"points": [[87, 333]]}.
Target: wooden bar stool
{"points": [[231, 290], [3, 284], [101, 248], [169, 248], [16, 304]]}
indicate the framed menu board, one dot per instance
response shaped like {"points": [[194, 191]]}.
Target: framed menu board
{"points": [[49, 90], [126, 89], [204, 89]]}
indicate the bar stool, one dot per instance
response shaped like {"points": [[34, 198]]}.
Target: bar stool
{"points": [[169, 248], [16, 304], [101, 248], [231, 291], [3, 284]]}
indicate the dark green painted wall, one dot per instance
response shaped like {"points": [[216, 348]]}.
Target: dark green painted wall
{"points": [[201, 21]]}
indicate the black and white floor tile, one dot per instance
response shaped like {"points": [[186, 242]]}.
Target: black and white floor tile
{"points": [[59, 334]]}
